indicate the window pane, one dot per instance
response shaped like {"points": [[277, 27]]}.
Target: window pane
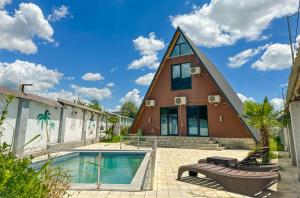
{"points": [[164, 122], [175, 77], [176, 51], [186, 70], [203, 127], [173, 124], [185, 49], [186, 80], [203, 121], [180, 40], [176, 71], [192, 115]]}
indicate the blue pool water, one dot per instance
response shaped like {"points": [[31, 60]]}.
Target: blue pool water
{"points": [[116, 168]]}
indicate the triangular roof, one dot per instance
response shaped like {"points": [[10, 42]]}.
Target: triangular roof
{"points": [[218, 78]]}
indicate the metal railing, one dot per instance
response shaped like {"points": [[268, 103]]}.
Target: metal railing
{"points": [[142, 143]]}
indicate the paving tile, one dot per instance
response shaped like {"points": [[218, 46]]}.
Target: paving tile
{"points": [[165, 184]]}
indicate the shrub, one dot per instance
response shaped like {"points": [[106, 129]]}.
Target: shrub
{"points": [[124, 130], [18, 179], [140, 132]]}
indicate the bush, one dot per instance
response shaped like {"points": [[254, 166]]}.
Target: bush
{"points": [[140, 132], [18, 179], [275, 144], [124, 130]]}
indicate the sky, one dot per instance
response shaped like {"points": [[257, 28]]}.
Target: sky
{"points": [[110, 50]]}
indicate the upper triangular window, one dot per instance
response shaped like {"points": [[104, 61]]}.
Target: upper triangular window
{"points": [[181, 47]]}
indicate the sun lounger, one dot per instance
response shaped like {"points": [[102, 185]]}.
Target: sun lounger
{"points": [[238, 181], [247, 161]]}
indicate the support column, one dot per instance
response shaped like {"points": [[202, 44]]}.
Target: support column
{"points": [[295, 117], [97, 127], [62, 125], [285, 139], [21, 126], [292, 145], [83, 134]]}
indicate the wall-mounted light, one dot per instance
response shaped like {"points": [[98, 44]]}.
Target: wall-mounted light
{"points": [[149, 120], [221, 118]]}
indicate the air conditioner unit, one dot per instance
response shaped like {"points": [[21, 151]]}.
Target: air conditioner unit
{"points": [[180, 100], [195, 70], [214, 98], [150, 103]]}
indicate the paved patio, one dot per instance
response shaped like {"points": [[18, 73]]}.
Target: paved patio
{"points": [[166, 186]]}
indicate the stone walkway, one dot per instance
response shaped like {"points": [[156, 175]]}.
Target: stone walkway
{"points": [[166, 186]]}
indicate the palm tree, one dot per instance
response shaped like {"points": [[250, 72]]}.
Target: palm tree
{"points": [[113, 120], [44, 119], [264, 118]]}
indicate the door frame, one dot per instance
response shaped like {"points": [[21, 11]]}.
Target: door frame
{"points": [[168, 126], [198, 121]]}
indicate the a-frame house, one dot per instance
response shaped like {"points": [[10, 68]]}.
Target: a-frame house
{"points": [[188, 96]]}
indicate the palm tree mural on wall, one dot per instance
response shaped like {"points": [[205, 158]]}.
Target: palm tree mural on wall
{"points": [[45, 120], [91, 125]]}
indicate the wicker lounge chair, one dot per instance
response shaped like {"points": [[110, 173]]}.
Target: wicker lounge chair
{"points": [[238, 181]]}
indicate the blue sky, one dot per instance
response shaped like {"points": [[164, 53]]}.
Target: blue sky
{"points": [[53, 44]]}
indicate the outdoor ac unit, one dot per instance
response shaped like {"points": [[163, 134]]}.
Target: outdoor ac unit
{"points": [[195, 70], [180, 100], [150, 103], [214, 98]]}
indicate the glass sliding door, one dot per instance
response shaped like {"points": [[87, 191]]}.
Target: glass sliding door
{"points": [[168, 121], [203, 131], [192, 120], [197, 121]]}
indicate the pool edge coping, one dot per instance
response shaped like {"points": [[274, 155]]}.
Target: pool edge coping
{"points": [[136, 183]]}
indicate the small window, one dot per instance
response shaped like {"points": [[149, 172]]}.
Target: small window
{"points": [[181, 48], [181, 76]]}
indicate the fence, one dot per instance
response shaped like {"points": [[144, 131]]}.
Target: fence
{"points": [[142, 143]]}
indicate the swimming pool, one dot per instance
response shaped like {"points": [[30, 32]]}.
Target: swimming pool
{"points": [[115, 168], [122, 170]]}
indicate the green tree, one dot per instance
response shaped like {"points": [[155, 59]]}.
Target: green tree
{"points": [[129, 109], [264, 118], [94, 104], [80, 102], [113, 120]]}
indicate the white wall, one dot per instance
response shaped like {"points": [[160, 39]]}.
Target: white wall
{"points": [[10, 123], [34, 128], [73, 124], [90, 129]]}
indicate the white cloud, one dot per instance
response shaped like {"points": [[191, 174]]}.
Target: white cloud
{"points": [[276, 57], [115, 109], [91, 92], [67, 95], [132, 96], [284, 85], [113, 69], [69, 78], [111, 84], [241, 58], [18, 31], [42, 78], [92, 77], [145, 80], [58, 13], [223, 22], [278, 103], [244, 98], [4, 2], [148, 48]]}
